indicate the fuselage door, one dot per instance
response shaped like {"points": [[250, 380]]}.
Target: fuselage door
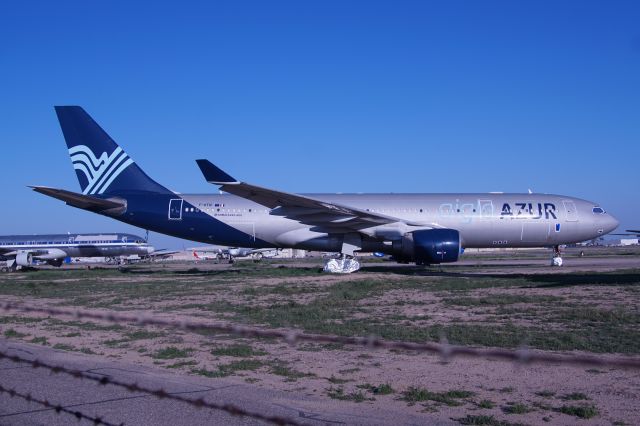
{"points": [[175, 209], [570, 210]]}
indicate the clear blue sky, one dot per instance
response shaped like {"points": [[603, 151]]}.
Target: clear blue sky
{"points": [[326, 96]]}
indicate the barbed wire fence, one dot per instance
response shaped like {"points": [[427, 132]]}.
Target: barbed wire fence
{"points": [[134, 387], [58, 408], [443, 349]]}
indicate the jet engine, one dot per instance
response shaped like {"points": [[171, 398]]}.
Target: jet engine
{"points": [[430, 246], [436, 246], [24, 258]]}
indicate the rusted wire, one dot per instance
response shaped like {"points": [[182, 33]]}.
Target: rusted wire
{"points": [[158, 393], [58, 408], [444, 350]]}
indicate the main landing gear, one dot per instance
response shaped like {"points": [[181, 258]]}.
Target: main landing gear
{"points": [[341, 265], [556, 260], [11, 266], [347, 262]]}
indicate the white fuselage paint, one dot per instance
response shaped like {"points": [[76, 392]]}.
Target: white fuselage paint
{"points": [[483, 220]]}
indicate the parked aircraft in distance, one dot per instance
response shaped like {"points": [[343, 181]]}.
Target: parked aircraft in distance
{"points": [[630, 233], [24, 250], [230, 253], [161, 254], [420, 228]]}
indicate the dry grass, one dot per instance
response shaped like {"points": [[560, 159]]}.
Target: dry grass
{"points": [[592, 312]]}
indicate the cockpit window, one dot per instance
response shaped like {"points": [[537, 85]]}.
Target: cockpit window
{"points": [[598, 210]]}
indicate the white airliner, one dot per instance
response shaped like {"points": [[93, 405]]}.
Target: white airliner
{"points": [[24, 250]]}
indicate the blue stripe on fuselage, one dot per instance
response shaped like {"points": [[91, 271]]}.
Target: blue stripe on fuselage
{"points": [[150, 210]]}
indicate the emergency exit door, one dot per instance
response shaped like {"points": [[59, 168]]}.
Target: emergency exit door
{"points": [[175, 209]]}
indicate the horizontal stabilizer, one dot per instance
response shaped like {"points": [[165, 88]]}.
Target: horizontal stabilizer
{"points": [[81, 201], [213, 174]]}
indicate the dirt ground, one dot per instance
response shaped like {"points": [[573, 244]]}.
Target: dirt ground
{"points": [[591, 306]]}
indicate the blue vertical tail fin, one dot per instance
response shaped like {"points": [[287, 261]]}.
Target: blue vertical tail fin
{"points": [[102, 167]]}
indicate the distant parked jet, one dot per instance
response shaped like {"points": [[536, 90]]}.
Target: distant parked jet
{"points": [[23, 250], [630, 232], [229, 253], [420, 228]]}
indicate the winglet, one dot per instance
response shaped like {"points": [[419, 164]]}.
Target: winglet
{"points": [[214, 174]]}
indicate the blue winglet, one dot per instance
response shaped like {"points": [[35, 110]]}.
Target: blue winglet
{"points": [[214, 174]]}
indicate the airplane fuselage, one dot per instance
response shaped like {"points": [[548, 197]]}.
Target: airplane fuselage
{"points": [[483, 219], [53, 248]]}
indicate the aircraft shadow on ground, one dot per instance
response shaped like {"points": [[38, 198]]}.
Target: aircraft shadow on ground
{"points": [[623, 278], [580, 279], [190, 271], [220, 272]]}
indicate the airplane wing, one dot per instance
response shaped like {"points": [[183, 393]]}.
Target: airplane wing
{"points": [[40, 253], [163, 253], [304, 209], [209, 249], [629, 232], [264, 250], [81, 201]]}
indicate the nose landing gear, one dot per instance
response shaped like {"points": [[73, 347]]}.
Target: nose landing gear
{"points": [[556, 260]]}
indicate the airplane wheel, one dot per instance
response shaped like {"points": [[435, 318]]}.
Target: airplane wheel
{"points": [[231, 261]]}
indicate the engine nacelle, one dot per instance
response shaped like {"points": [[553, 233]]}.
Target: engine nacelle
{"points": [[436, 246], [24, 258]]}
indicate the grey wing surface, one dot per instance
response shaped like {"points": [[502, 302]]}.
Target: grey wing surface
{"points": [[304, 209]]}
